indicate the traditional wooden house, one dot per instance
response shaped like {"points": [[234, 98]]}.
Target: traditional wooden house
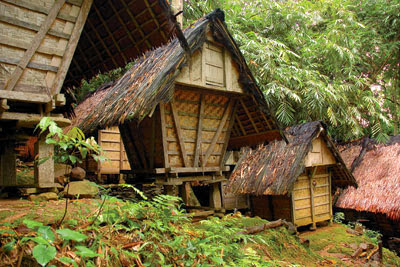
{"points": [[292, 181], [180, 110], [376, 201], [46, 46]]}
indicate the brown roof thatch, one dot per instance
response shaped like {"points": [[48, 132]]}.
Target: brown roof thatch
{"points": [[378, 178], [151, 80], [116, 32], [272, 169]]}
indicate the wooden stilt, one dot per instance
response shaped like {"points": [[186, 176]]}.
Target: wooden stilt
{"points": [[8, 172], [215, 196], [44, 170]]}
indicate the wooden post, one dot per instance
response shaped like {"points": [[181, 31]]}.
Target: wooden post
{"points": [[314, 224], [186, 193], [330, 197], [215, 196], [44, 172], [8, 171]]}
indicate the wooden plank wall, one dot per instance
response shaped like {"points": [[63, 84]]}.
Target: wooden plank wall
{"points": [[271, 207], [197, 125], [311, 197], [233, 201], [39, 37]]}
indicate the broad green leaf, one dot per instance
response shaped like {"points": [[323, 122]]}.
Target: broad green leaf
{"points": [[85, 252], [44, 254], [32, 224], [46, 233], [68, 234], [9, 246]]}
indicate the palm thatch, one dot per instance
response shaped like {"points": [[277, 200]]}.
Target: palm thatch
{"points": [[273, 169], [378, 177], [151, 80]]}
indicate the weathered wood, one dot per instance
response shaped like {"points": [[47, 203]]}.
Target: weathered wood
{"points": [[37, 40], [72, 43], [218, 132], [199, 132], [153, 141], [32, 65], [190, 169], [9, 41], [40, 9], [25, 97], [240, 125], [155, 20], [30, 120], [215, 196], [179, 134], [254, 139], [260, 228], [164, 135], [44, 171], [330, 196]]}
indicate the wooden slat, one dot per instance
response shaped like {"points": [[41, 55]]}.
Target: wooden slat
{"points": [[9, 41], [330, 196], [179, 134], [199, 132], [40, 9], [37, 40], [25, 97], [72, 43], [164, 135], [249, 115], [30, 120], [192, 140], [240, 124], [153, 141], [155, 20], [218, 132], [190, 169], [32, 65], [30, 26]]}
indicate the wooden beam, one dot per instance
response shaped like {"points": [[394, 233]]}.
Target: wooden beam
{"points": [[25, 97], [155, 20], [30, 120], [330, 196], [9, 41], [40, 9], [72, 43], [249, 115], [37, 40], [218, 132], [164, 135], [179, 134], [190, 169], [228, 133], [199, 132], [153, 141], [32, 65]]}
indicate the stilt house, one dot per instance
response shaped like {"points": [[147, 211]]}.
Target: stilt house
{"points": [[376, 201], [292, 181], [180, 110], [48, 45]]}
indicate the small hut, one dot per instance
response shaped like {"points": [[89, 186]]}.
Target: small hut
{"points": [[376, 201], [183, 106], [292, 181]]}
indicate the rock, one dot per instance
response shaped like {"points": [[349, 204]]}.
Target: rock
{"points": [[43, 197], [78, 174], [81, 189]]}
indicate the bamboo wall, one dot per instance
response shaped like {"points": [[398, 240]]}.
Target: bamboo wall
{"points": [[39, 37]]}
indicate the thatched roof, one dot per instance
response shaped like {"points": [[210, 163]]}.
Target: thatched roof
{"points": [[272, 169], [151, 80], [117, 32], [378, 178]]}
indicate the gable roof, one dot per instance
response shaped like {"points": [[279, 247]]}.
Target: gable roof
{"points": [[378, 177], [273, 169], [151, 79]]}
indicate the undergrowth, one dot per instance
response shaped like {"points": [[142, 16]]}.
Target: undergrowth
{"points": [[153, 232]]}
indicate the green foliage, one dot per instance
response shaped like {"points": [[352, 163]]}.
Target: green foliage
{"points": [[331, 60], [373, 235], [98, 81], [71, 147], [68, 234], [44, 254], [338, 217]]}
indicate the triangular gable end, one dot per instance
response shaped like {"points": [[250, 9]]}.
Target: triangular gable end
{"points": [[212, 67], [320, 154]]}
